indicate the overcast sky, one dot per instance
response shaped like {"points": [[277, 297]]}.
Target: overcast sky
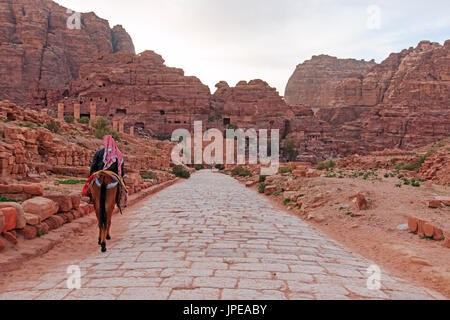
{"points": [[235, 40]]}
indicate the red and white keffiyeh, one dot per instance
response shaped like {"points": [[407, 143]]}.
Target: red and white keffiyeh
{"points": [[112, 153]]}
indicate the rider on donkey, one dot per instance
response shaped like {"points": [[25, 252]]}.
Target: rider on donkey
{"points": [[108, 158]]}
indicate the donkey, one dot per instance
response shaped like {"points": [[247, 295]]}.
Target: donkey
{"points": [[104, 193]]}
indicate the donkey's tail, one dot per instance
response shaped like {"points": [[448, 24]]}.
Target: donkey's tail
{"points": [[103, 220]]}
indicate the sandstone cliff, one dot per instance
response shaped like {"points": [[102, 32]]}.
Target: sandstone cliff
{"points": [[38, 50], [403, 102], [314, 82], [140, 89], [250, 105]]}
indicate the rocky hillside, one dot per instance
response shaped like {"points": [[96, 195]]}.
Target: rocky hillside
{"points": [[34, 146], [332, 107], [403, 102], [141, 89], [314, 82], [38, 50]]}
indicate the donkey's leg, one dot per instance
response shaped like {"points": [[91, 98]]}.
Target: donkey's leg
{"points": [[108, 234], [103, 237], [99, 235]]}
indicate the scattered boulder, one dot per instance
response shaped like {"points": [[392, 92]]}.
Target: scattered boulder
{"points": [[413, 224], [361, 202], [32, 219], [428, 229], [10, 215], [438, 234], [40, 206], [64, 201], [76, 200], [10, 237], [29, 232], [35, 189], [270, 189], [20, 221]]}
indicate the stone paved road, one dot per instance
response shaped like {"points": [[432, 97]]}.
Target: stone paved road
{"points": [[211, 238]]}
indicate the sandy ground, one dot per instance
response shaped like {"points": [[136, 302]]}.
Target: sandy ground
{"points": [[374, 234]]}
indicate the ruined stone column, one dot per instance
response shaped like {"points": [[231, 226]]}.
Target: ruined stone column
{"points": [[115, 124], [93, 112], [76, 111], [121, 126], [132, 131], [61, 111]]}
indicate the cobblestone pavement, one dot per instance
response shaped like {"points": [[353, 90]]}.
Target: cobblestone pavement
{"points": [[211, 238]]}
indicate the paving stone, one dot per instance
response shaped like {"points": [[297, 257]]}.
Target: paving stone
{"points": [[195, 294], [215, 282], [222, 241]]}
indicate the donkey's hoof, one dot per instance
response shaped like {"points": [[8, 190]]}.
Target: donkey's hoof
{"points": [[108, 237], [103, 247]]}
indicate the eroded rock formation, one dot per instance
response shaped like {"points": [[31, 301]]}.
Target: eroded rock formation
{"points": [[38, 50], [139, 89], [250, 105], [314, 82], [403, 102]]}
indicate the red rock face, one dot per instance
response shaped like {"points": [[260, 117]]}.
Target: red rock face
{"points": [[140, 89], [38, 50], [404, 102], [314, 82], [250, 105]]}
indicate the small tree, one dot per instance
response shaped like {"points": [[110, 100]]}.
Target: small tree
{"points": [[52, 126], [289, 150], [83, 120], [102, 129], [69, 119]]}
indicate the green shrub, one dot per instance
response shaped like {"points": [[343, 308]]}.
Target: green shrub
{"points": [[286, 201], [289, 150], [52, 126], [285, 170], [71, 181], [180, 172], [164, 136], [262, 187], [330, 164], [416, 164], [220, 167], [102, 129], [199, 167], [241, 172], [149, 175], [84, 120], [3, 199], [262, 178], [69, 119]]}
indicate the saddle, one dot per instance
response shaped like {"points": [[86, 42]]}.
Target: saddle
{"points": [[122, 192]]}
